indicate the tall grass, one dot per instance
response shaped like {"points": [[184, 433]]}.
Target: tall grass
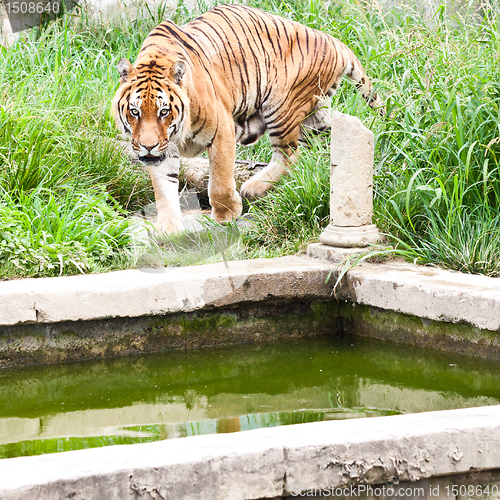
{"points": [[296, 210], [64, 183], [47, 234], [438, 185]]}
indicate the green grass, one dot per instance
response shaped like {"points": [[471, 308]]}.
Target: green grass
{"points": [[64, 185], [66, 188], [44, 234]]}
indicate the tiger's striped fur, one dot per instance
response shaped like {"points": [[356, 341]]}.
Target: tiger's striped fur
{"points": [[226, 77]]}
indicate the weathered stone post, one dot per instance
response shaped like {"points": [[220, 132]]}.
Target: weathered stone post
{"points": [[7, 37], [351, 191]]}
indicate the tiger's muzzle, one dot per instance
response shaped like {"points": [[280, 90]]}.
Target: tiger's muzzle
{"points": [[151, 160], [150, 155]]}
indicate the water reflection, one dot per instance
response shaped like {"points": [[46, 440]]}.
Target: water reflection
{"points": [[147, 398]]}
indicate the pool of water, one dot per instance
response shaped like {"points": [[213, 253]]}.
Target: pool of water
{"points": [[146, 398]]}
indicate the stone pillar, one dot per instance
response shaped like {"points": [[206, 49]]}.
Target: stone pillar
{"points": [[7, 37], [351, 190]]}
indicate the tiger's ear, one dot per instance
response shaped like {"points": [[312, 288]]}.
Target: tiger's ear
{"points": [[125, 69], [177, 71]]}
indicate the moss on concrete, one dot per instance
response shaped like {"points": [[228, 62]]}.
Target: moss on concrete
{"points": [[246, 323], [401, 328], [48, 343]]}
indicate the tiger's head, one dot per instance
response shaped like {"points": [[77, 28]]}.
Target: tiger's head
{"points": [[150, 106]]}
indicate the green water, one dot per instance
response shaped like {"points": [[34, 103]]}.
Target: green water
{"points": [[146, 398]]}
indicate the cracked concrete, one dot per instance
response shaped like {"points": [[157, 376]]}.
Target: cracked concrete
{"points": [[267, 463]]}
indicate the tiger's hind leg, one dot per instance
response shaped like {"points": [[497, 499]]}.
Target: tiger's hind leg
{"points": [[313, 118], [284, 156], [317, 122]]}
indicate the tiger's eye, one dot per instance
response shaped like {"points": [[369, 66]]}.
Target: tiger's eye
{"points": [[164, 112], [134, 112]]}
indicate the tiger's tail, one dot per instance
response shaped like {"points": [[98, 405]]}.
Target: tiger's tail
{"points": [[355, 72]]}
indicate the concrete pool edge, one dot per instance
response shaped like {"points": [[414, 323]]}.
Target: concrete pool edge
{"points": [[393, 301], [269, 463], [44, 320]]}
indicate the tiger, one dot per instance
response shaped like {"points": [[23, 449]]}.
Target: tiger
{"points": [[227, 77]]}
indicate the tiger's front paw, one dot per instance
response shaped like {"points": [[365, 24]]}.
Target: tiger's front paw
{"points": [[225, 211], [169, 226]]}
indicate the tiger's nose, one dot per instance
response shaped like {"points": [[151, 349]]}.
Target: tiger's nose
{"points": [[149, 148]]}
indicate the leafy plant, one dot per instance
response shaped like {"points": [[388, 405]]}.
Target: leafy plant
{"points": [[76, 232]]}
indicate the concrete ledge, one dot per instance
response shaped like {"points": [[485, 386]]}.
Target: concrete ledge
{"points": [[426, 292], [146, 292], [267, 463]]}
